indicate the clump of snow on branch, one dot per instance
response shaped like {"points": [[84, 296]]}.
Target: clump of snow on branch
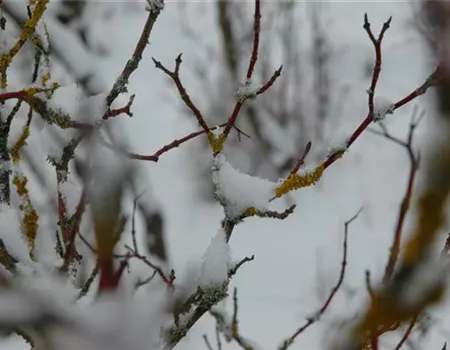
{"points": [[216, 261], [217, 131], [338, 146], [383, 106], [247, 91], [237, 191]]}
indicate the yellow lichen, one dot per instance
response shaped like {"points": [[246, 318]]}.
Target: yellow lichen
{"points": [[31, 91], [21, 185], [46, 33], [27, 31], [45, 78], [216, 142], [251, 212], [30, 217], [20, 143], [296, 181]]}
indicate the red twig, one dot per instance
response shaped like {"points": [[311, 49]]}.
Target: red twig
{"points": [[432, 80], [175, 76], [168, 279], [377, 66], [374, 340], [12, 95], [233, 117], [270, 82], [251, 67], [404, 207], [289, 341], [107, 280], [126, 109], [75, 227], [301, 160], [155, 156], [256, 31]]}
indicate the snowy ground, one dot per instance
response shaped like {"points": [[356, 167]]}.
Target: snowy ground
{"points": [[297, 260]]}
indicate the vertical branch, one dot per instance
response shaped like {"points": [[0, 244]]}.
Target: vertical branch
{"points": [[256, 31], [377, 66], [311, 320], [5, 159], [133, 63], [251, 67]]}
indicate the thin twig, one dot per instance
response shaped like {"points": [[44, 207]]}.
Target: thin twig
{"points": [[377, 66], [133, 63], [405, 204], [207, 343], [175, 76], [311, 320], [236, 267], [407, 333], [301, 160]]}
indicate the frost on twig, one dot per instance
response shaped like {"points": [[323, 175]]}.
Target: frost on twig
{"points": [[383, 107], [155, 5], [237, 191]]}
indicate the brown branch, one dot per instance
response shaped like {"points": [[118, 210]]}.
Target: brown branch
{"points": [[174, 144], [231, 330], [301, 160], [240, 102], [123, 110], [168, 279], [175, 76], [133, 63], [270, 82], [431, 81], [243, 343], [251, 67], [256, 32], [377, 66], [311, 320], [374, 340], [298, 181], [87, 285], [71, 251], [405, 204], [235, 268]]}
